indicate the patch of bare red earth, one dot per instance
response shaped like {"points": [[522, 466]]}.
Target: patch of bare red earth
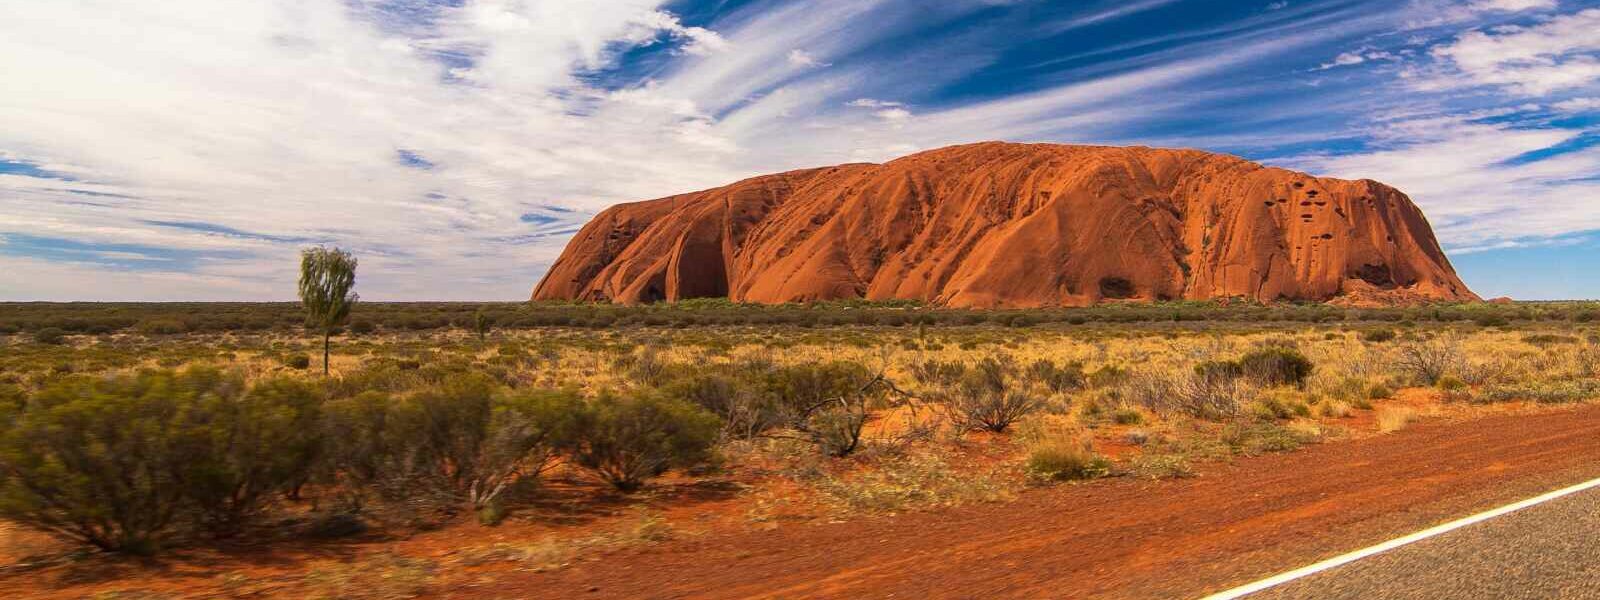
{"points": [[1119, 539]]}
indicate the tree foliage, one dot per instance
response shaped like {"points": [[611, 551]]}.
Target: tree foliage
{"points": [[327, 284]]}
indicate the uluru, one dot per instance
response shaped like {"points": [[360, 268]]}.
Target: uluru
{"points": [[996, 224]]}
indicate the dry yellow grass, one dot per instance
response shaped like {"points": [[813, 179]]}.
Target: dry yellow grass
{"points": [[1394, 418]]}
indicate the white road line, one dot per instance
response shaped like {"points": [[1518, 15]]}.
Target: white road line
{"points": [[1343, 559]]}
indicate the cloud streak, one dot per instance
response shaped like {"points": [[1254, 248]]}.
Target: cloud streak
{"points": [[455, 146]]}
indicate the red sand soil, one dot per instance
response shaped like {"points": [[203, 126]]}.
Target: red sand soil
{"points": [[1016, 225], [1128, 539]]}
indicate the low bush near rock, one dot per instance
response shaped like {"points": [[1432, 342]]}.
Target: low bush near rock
{"points": [[627, 439], [990, 397], [1276, 366]]}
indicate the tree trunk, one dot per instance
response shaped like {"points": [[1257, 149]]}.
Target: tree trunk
{"points": [[325, 342]]}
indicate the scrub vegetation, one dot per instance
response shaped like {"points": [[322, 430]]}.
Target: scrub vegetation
{"points": [[158, 429]]}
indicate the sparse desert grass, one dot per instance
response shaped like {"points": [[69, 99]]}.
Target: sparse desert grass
{"points": [[381, 577], [913, 480], [1260, 437], [1161, 466], [1543, 392], [1065, 459], [1333, 409], [554, 552], [1394, 418]]}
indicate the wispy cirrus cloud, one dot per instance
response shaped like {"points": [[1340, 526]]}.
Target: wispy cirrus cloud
{"points": [[1559, 54], [455, 145]]}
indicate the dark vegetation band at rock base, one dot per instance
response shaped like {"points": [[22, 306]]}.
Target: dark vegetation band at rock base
{"points": [[49, 322]]}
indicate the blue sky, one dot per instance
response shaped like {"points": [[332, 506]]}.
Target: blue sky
{"points": [[187, 149]]}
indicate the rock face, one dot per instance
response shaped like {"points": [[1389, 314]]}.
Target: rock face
{"points": [[1016, 225]]}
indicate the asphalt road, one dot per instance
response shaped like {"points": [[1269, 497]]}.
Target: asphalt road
{"points": [[1551, 550]]}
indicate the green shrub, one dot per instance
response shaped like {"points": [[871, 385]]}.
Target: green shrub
{"points": [[297, 361], [1379, 391], [801, 386], [1127, 415], [244, 449], [475, 441], [12, 401], [465, 439], [94, 460], [1378, 335], [1207, 396], [50, 336], [936, 373], [368, 446], [1278, 406], [1108, 376], [482, 323], [1057, 378], [161, 327], [745, 413], [627, 439], [827, 402], [1276, 366], [1490, 321], [1219, 369], [987, 397], [1548, 339], [121, 463], [1428, 362]]}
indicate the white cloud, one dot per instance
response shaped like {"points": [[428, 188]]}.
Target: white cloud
{"points": [[1434, 13], [1124, 9], [1558, 54], [1577, 105], [893, 115], [1342, 60], [1345, 59], [1472, 181], [283, 121], [1278, 5], [26, 279], [1513, 5], [801, 58]]}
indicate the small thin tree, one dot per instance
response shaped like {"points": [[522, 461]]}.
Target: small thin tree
{"points": [[327, 276], [481, 324]]}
